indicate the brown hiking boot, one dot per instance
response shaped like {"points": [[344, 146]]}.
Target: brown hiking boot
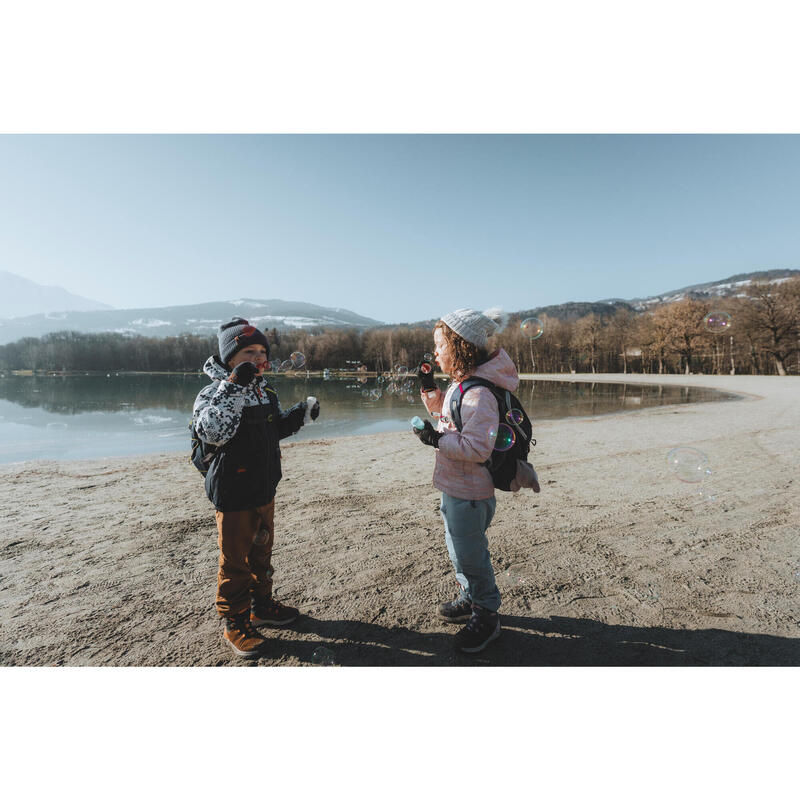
{"points": [[242, 637], [271, 612]]}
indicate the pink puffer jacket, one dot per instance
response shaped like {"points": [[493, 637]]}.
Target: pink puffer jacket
{"points": [[459, 469]]}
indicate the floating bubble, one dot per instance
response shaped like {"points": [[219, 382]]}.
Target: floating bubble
{"points": [[285, 366], [400, 369], [365, 392], [428, 357], [381, 379], [323, 657], [717, 321], [514, 416], [410, 400], [297, 359], [503, 437], [376, 394], [688, 464], [425, 368], [532, 327], [275, 365]]}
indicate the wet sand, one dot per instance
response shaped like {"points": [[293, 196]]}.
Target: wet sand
{"points": [[615, 562]]}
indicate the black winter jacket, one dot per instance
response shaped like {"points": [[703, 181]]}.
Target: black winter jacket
{"points": [[249, 422]]}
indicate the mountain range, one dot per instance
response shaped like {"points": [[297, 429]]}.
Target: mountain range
{"points": [[20, 297], [204, 318]]}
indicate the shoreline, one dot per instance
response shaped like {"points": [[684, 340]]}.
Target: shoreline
{"points": [[614, 563]]}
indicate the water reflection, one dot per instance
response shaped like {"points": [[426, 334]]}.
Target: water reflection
{"points": [[91, 416]]}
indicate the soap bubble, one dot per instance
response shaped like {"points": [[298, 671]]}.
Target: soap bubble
{"points": [[688, 464], [376, 394], [323, 657], [717, 321], [410, 400], [428, 357], [275, 365], [380, 379], [426, 368], [514, 416], [365, 392], [297, 359], [400, 369], [503, 437], [532, 327], [286, 365]]}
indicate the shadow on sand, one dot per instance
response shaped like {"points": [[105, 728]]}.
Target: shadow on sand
{"points": [[538, 642]]}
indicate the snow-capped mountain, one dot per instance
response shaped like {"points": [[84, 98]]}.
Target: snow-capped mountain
{"points": [[204, 318], [20, 297], [728, 287]]}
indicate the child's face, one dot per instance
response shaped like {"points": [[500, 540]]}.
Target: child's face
{"points": [[442, 352], [256, 353]]}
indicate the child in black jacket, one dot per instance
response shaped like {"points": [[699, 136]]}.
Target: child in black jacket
{"points": [[240, 410]]}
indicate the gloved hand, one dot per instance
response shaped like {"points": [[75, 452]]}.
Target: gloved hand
{"points": [[426, 380], [244, 373], [428, 435], [297, 414], [312, 409]]}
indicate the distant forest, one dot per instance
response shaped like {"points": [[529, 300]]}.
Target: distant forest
{"points": [[763, 338]]}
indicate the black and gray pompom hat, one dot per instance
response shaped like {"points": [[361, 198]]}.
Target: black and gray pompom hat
{"points": [[237, 334]]}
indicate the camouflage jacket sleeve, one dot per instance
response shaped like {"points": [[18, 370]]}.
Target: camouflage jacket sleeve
{"points": [[218, 411]]}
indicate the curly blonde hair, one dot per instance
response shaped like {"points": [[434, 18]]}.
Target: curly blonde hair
{"points": [[465, 355]]}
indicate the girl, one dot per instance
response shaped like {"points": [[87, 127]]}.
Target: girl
{"points": [[468, 501]]}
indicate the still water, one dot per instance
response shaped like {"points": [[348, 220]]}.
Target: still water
{"points": [[97, 416]]}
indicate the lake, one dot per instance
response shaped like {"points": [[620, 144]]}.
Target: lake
{"points": [[98, 416]]}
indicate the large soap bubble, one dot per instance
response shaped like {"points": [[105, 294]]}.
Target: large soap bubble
{"points": [[532, 327], [717, 321], [297, 359], [688, 464], [502, 437]]}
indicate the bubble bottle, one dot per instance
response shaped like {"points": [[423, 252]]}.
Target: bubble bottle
{"points": [[418, 423]]}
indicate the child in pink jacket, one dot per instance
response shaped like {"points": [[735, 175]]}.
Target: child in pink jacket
{"points": [[468, 501]]}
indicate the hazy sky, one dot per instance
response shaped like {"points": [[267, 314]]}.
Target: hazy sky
{"points": [[398, 228]]}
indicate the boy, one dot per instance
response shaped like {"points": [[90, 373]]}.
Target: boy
{"points": [[240, 410]]}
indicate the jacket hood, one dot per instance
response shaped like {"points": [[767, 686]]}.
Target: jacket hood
{"points": [[500, 370], [215, 370]]}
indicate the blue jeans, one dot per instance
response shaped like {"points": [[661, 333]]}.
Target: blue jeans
{"points": [[465, 525]]}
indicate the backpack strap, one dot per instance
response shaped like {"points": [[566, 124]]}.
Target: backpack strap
{"points": [[458, 396]]}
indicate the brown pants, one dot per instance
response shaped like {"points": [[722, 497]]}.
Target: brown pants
{"points": [[245, 550]]}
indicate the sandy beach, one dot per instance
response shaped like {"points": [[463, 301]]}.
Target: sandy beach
{"points": [[615, 562]]}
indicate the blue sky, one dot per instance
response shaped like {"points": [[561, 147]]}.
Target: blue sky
{"points": [[398, 228]]}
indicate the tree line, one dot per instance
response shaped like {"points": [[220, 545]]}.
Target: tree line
{"points": [[763, 338]]}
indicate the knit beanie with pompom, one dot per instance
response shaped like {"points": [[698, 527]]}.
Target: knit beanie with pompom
{"points": [[474, 326]]}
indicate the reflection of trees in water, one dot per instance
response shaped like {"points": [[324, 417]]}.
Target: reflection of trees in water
{"points": [[80, 394], [543, 399]]}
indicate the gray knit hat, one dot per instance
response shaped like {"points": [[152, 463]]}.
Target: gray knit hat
{"points": [[237, 334], [474, 326]]}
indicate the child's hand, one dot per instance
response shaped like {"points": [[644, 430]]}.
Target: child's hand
{"points": [[426, 380], [428, 435], [312, 409], [244, 373]]}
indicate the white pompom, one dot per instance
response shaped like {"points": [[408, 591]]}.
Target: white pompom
{"points": [[498, 316]]}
